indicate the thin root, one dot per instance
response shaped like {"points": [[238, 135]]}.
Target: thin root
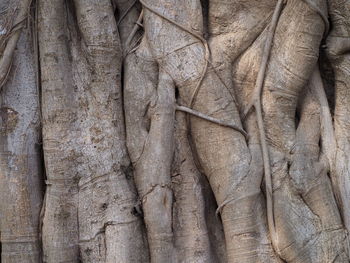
{"points": [[256, 102], [211, 119]]}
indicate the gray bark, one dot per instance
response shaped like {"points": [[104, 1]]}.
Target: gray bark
{"points": [[21, 166], [175, 131], [87, 164]]}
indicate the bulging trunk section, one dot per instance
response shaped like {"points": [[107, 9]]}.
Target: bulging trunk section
{"points": [[59, 120], [91, 185]]}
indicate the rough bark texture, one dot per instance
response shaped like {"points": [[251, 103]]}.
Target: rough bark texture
{"points": [[21, 167], [175, 131]]}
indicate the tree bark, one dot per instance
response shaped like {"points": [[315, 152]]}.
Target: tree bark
{"points": [[175, 131], [21, 164]]}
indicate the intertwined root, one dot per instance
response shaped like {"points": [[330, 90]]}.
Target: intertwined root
{"points": [[266, 62], [296, 187], [204, 83]]}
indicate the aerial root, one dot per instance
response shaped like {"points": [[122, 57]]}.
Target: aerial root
{"points": [[211, 119], [256, 103]]}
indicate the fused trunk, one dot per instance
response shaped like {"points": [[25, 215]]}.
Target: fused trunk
{"points": [[175, 131]]}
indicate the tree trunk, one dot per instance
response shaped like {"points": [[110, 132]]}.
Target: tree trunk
{"points": [[21, 166], [175, 131]]}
